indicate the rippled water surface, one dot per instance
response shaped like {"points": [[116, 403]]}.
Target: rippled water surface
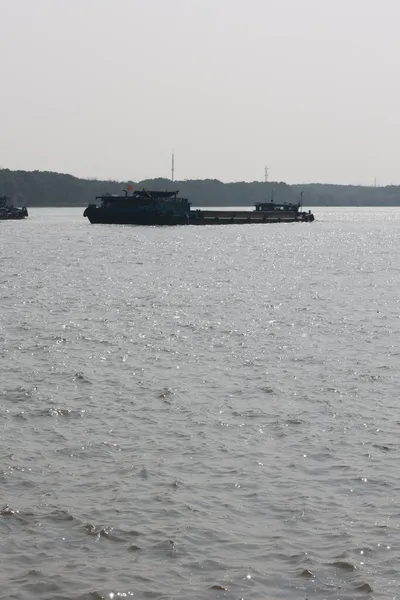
{"points": [[194, 413]]}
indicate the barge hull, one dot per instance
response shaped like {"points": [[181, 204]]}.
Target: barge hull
{"points": [[98, 216]]}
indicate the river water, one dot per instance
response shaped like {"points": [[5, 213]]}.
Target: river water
{"points": [[195, 413]]}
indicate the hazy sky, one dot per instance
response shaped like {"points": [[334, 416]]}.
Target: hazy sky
{"points": [[107, 88]]}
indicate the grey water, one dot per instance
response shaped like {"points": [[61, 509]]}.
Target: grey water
{"points": [[195, 413]]}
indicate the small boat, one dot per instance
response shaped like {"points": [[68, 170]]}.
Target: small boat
{"points": [[8, 211], [146, 207]]}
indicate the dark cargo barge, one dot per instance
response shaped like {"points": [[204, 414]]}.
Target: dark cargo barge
{"points": [[8, 211], [145, 207]]}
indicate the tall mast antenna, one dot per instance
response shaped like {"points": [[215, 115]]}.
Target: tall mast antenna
{"points": [[173, 167], [266, 174]]}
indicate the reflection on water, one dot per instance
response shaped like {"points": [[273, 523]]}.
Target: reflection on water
{"points": [[200, 412]]}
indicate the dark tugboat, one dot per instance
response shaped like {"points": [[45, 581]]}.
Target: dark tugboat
{"points": [[145, 207], [8, 211]]}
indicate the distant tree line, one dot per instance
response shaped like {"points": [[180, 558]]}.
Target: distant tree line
{"points": [[323, 194], [44, 188]]}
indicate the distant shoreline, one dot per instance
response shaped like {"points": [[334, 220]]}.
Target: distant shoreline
{"points": [[44, 188]]}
